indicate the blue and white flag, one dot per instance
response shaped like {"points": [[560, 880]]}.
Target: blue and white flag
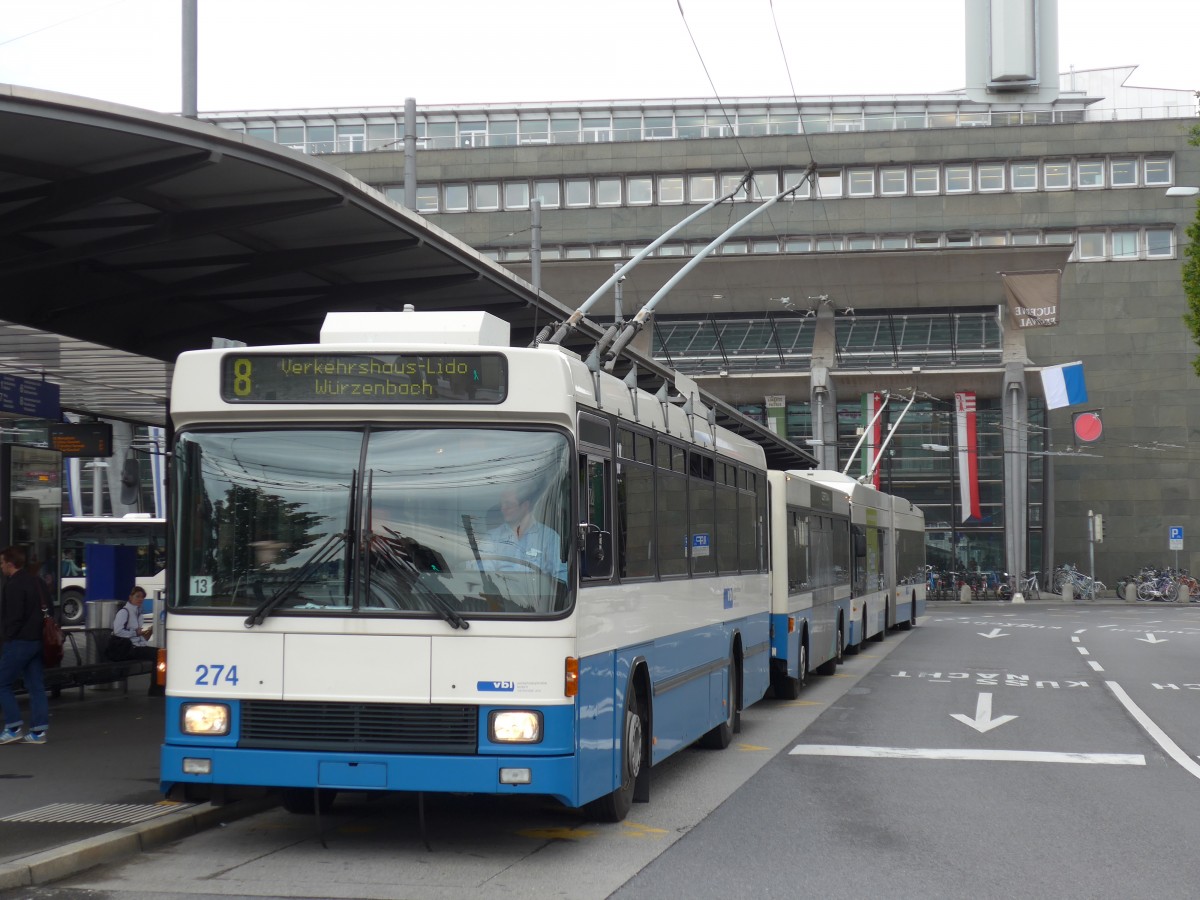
{"points": [[1064, 385]]}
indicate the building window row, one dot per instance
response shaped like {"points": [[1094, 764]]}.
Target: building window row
{"points": [[1082, 173], [468, 130], [1116, 243]]}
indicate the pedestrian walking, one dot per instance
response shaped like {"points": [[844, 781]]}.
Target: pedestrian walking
{"points": [[21, 652]]}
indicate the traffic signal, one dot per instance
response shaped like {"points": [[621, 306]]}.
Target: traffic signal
{"points": [[1087, 426]]}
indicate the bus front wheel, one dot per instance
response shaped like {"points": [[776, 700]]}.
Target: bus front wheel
{"points": [[615, 807]]}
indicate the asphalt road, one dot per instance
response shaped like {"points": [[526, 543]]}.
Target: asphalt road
{"points": [[1072, 734]]}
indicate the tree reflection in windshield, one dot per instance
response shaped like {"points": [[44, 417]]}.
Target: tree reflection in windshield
{"points": [[445, 522]]}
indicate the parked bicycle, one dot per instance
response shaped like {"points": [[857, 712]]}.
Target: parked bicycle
{"points": [[1159, 584], [1081, 585], [1027, 586]]}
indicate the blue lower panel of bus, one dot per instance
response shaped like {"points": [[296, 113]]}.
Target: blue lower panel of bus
{"points": [[785, 647], [551, 764]]}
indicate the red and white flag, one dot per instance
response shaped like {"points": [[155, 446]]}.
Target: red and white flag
{"points": [[968, 455], [870, 406]]}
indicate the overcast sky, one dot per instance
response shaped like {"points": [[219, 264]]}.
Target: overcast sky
{"points": [[285, 54]]}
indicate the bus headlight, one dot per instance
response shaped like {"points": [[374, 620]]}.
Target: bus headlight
{"points": [[515, 726], [205, 718]]}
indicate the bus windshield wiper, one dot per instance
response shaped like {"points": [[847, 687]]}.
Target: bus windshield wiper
{"points": [[323, 554], [385, 547]]}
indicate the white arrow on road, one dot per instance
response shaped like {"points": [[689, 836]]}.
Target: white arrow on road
{"points": [[983, 720], [995, 632], [1151, 639]]}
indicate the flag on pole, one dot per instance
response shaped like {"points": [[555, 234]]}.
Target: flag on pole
{"points": [[870, 406], [1064, 385], [968, 455]]}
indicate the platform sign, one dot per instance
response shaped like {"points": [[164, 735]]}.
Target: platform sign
{"points": [[25, 397], [1176, 537]]}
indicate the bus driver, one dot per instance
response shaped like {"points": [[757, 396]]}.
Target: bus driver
{"points": [[522, 539]]}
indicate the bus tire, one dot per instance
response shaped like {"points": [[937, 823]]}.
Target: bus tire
{"points": [[829, 667], [615, 806], [306, 801], [907, 624], [786, 687], [722, 736], [71, 607]]}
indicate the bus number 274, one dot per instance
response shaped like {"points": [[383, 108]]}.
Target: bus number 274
{"points": [[214, 674]]}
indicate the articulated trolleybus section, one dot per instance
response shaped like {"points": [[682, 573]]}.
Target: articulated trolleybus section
{"points": [[415, 558], [848, 563]]}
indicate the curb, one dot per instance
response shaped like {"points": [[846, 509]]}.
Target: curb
{"points": [[71, 859]]}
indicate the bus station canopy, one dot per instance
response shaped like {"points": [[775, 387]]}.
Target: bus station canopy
{"points": [[127, 237]]}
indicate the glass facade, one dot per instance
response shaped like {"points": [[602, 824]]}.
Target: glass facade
{"points": [[784, 341], [929, 478]]}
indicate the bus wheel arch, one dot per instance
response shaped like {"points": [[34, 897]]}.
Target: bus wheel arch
{"points": [[784, 685]]}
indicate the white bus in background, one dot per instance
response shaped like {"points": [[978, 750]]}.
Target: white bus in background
{"points": [[887, 535], [847, 564], [146, 534]]}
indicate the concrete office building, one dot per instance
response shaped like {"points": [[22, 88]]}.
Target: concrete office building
{"points": [[881, 273]]}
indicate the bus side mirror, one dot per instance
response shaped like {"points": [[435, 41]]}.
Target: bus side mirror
{"points": [[597, 551]]}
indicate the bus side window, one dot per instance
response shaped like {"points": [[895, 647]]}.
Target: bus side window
{"points": [[597, 556]]}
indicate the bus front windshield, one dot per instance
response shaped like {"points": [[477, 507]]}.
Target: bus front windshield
{"points": [[450, 522]]}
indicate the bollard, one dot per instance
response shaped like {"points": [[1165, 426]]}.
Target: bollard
{"points": [[1183, 594], [1068, 592], [964, 594], [1130, 592], [1018, 597]]}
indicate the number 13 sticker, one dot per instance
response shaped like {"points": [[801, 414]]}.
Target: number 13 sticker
{"points": [[201, 586]]}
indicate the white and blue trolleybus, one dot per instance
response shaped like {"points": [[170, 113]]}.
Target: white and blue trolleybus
{"points": [[414, 558], [847, 565]]}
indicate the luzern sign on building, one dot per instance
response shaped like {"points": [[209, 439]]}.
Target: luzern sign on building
{"points": [[34, 399], [1033, 297]]}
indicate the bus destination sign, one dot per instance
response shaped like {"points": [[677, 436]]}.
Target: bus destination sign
{"points": [[365, 378]]}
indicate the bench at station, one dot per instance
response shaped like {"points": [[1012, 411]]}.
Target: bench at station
{"points": [[84, 663]]}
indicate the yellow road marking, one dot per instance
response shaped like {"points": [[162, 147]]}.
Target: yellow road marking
{"points": [[751, 747], [634, 829]]}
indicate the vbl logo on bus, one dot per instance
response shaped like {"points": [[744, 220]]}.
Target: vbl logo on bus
{"points": [[496, 686]]}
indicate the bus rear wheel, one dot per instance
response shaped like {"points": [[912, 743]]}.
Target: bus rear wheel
{"points": [[882, 631]]}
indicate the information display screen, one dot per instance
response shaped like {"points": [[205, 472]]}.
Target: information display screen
{"points": [[367, 378]]}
